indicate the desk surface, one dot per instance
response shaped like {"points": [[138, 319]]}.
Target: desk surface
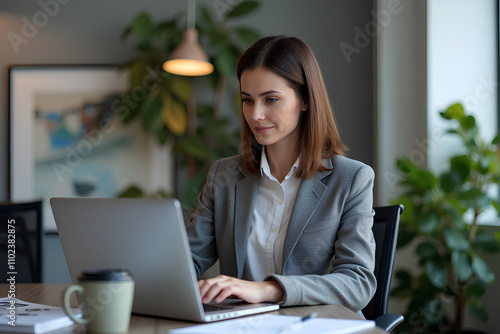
{"points": [[51, 294]]}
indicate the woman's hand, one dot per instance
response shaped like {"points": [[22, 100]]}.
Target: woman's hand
{"points": [[222, 287]]}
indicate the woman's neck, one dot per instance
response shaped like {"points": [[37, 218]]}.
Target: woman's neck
{"points": [[280, 160]]}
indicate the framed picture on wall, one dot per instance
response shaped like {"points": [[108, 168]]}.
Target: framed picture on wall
{"points": [[66, 137]]}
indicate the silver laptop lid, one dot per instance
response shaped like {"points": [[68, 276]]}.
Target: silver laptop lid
{"points": [[145, 236]]}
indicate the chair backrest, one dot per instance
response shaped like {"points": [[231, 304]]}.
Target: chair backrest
{"points": [[385, 232], [25, 220]]}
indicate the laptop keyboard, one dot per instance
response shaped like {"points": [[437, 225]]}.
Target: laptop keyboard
{"points": [[213, 308]]}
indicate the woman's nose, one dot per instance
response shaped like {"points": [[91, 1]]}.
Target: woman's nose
{"points": [[258, 113]]}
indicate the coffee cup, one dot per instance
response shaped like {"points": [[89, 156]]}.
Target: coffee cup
{"points": [[105, 297]]}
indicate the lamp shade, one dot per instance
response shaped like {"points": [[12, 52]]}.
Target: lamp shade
{"points": [[189, 58]]}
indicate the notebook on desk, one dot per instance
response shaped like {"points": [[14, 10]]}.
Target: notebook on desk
{"points": [[147, 237]]}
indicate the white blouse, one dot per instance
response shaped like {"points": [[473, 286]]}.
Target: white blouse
{"points": [[271, 215]]}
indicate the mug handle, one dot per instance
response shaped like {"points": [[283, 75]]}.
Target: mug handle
{"points": [[67, 309]]}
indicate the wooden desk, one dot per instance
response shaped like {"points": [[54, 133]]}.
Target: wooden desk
{"points": [[51, 294]]}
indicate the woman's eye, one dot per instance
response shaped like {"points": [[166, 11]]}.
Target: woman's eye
{"points": [[271, 99], [247, 100]]}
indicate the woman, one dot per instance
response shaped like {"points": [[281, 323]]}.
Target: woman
{"points": [[290, 218]]}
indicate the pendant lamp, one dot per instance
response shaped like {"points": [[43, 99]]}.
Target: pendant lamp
{"points": [[189, 58]]}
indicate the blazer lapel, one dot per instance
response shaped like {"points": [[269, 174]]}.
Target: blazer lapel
{"points": [[309, 196], [246, 193]]}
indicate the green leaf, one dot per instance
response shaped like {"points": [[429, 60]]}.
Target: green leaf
{"points": [[481, 270], [468, 122], [474, 197], [454, 210], [433, 311], [426, 250], [205, 110], [205, 14], [173, 115], [456, 240], [142, 27], [455, 111], [138, 70], [477, 309], [224, 62], [425, 289], [166, 30], [496, 140], [486, 243], [406, 166], [405, 236], [424, 179], [163, 135], [435, 270], [243, 9], [493, 163], [404, 286], [461, 265], [133, 191], [462, 165], [475, 289], [496, 205], [128, 108], [497, 235], [427, 221], [181, 87], [191, 146], [126, 32], [151, 114], [247, 35], [450, 181]]}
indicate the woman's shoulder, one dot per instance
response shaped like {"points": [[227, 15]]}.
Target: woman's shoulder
{"points": [[231, 165], [347, 166], [235, 160]]}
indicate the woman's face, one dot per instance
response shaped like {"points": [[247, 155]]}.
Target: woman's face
{"points": [[271, 108]]}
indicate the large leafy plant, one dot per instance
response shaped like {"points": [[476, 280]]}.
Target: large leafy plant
{"points": [[441, 218], [165, 104]]}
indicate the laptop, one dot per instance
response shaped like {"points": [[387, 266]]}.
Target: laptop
{"points": [[147, 237]]}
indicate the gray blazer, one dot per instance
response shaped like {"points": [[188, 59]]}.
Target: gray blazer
{"points": [[329, 250]]}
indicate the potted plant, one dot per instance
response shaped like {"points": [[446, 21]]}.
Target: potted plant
{"points": [[441, 220], [164, 103]]}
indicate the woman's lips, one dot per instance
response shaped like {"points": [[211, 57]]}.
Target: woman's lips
{"points": [[262, 129]]}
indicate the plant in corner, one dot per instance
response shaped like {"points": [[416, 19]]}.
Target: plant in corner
{"points": [[165, 103], [441, 220]]}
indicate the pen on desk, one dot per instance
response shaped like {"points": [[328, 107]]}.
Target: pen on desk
{"points": [[299, 323]]}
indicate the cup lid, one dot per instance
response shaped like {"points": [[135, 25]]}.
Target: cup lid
{"points": [[105, 275]]}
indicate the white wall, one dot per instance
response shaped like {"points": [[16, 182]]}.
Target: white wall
{"points": [[462, 67]]}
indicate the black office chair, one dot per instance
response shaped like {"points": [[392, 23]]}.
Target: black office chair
{"points": [[27, 260], [385, 231]]}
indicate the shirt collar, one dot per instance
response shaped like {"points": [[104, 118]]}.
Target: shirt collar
{"points": [[265, 169]]}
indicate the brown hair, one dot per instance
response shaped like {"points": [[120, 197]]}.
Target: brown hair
{"points": [[294, 61]]}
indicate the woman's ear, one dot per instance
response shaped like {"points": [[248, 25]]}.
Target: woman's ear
{"points": [[305, 106]]}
